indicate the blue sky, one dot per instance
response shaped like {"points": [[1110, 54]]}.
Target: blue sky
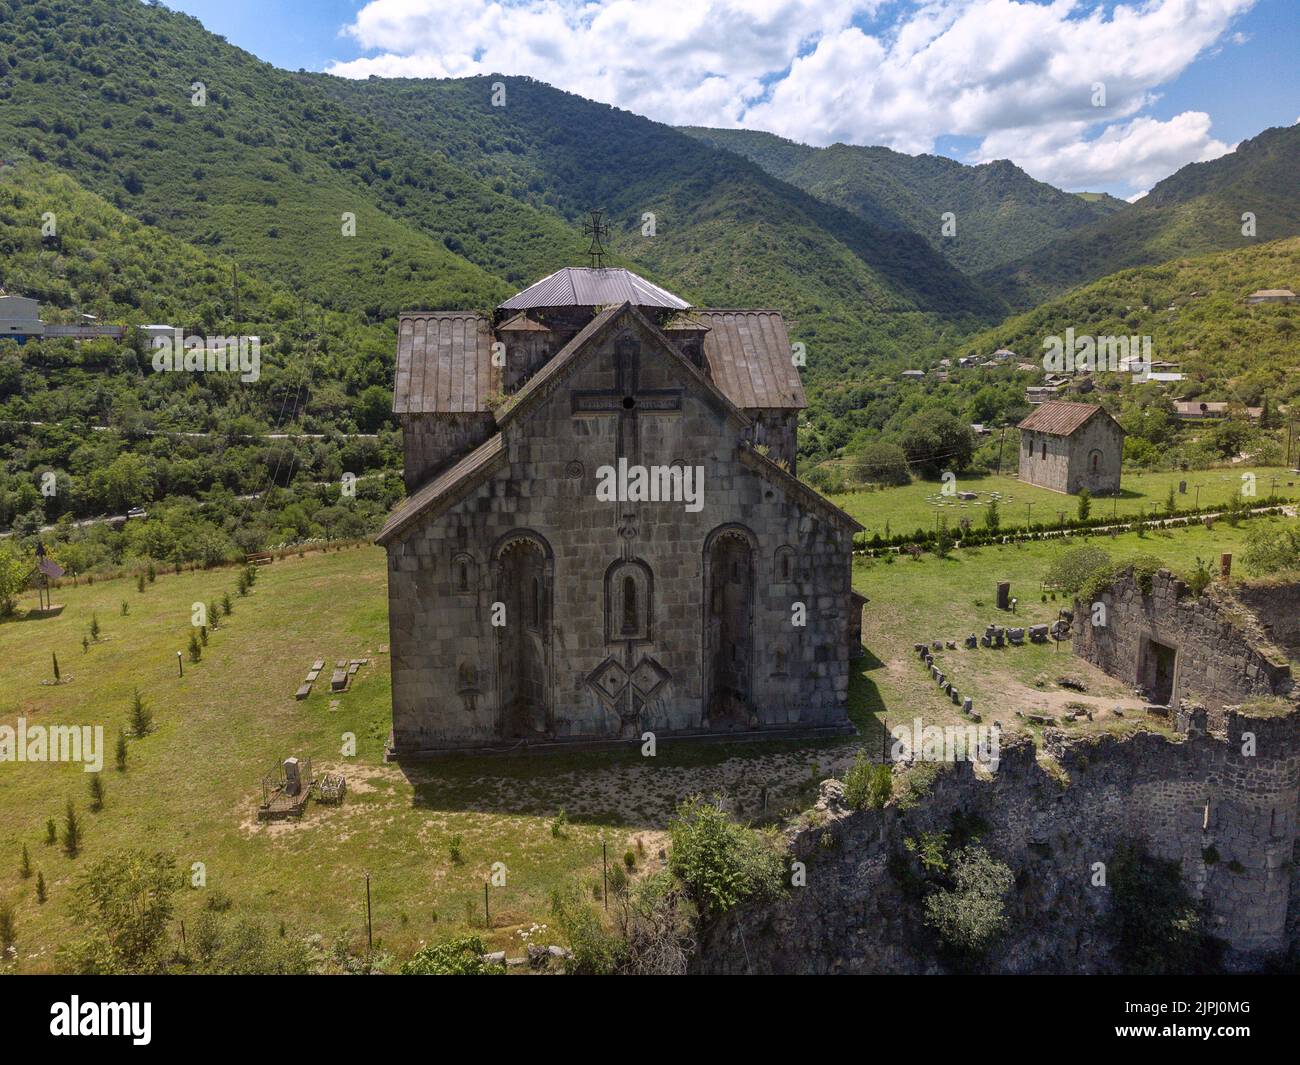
{"points": [[1184, 80]]}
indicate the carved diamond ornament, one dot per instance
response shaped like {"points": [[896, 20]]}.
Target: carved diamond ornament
{"points": [[608, 680], [648, 676]]}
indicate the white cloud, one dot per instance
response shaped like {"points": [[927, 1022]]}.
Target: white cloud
{"points": [[1133, 154], [1018, 76]]}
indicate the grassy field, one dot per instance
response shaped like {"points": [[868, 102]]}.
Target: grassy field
{"points": [[932, 598], [919, 505], [192, 785]]}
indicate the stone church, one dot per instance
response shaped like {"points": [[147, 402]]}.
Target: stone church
{"points": [[1068, 447], [604, 534]]}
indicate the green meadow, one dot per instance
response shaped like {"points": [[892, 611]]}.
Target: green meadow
{"points": [[921, 504], [430, 834]]}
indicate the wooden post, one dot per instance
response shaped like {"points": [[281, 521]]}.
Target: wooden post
{"points": [[487, 916], [604, 869], [370, 931]]}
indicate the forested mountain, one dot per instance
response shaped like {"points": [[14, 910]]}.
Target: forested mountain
{"points": [[190, 182], [1194, 310], [1197, 210], [1001, 213], [456, 202], [725, 232]]}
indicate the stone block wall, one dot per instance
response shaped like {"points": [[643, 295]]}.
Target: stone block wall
{"points": [[1068, 465], [433, 442], [1218, 661], [1228, 818], [446, 661]]}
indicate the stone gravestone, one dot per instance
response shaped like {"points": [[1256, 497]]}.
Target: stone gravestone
{"points": [[1225, 565], [292, 776], [339, 681], [1004, 595]]}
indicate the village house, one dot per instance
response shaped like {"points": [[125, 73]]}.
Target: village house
{"points": [[1067, 447], [604, 535], [20, 318], [1271, 295]]}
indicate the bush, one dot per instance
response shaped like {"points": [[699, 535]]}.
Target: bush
{"points": [[970, 914], [719, 862], [462, 956], [1272, 549], [883, 463], [123, 905], [1072, 569], [595, 950], [868, 785]]}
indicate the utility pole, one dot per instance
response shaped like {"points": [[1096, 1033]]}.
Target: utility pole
{"points": [[604, 870], [1001, 437]]}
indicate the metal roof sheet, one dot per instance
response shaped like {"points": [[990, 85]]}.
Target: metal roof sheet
{"points": [[1059, 418], [750, 358], [587, 286], [444, 363]]}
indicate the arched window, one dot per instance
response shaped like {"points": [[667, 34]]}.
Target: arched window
{"points": [[1044, 447], [629, 601], [464, 574], [785, 566], [630, 623], [1094, 461]]}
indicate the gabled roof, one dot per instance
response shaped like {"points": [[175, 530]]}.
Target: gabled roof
{"points": [[449, 487], [587, 286], [521, 323], [750, 358], [444, 363], [566, 361], [1059, 418]]}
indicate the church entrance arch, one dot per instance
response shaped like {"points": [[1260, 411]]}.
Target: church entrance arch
{"points": [[524, 579], [730, 559]]}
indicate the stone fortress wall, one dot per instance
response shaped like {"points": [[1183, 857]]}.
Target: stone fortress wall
{"points": [[1219, 797]]}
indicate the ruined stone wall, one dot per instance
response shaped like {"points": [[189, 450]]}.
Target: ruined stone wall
{"points": [[446, 664], [1277, 605], [1218, 661], [1226, 816]]}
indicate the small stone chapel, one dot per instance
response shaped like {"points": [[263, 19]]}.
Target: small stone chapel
{"points": [[604, 535]]}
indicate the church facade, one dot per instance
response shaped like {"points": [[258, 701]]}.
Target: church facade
{"points": [[603, 534]]}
